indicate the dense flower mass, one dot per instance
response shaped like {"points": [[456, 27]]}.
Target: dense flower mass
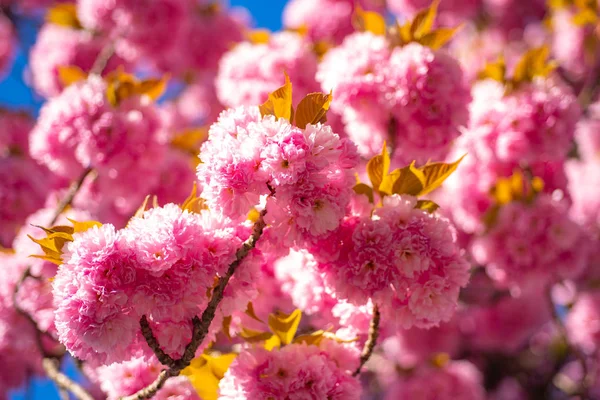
{"points": [[248, 82], [295, 371], [59, 46], [309, 170], [412, 96], [161, 266], [383, 199], [403, 258], [532, 242], [6, 44], [456, 380], [537, 122]]}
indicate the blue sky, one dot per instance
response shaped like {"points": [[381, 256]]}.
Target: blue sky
{"points": [[14, 93]]}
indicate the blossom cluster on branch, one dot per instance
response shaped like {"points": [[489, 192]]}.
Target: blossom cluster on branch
{"points": [[387, 199]]}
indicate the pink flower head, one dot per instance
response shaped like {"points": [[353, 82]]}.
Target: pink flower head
{"points": [[126, 378], [455, 380], [327, 21], [404, 259], [506, 324], [587, 134], [23, 188], [207, 34], [143, 29], [511, 17], [450, 12], [532, 243], [583, 322], [308, 169], [80, 128], [294, 371], [57, 46], [249, 72], [7, 44], [14, 133], [584, 181], [95, 314], [428, 97], [535, 123]]}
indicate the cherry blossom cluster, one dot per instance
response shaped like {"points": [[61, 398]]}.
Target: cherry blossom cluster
{"points": [[418, 218]]}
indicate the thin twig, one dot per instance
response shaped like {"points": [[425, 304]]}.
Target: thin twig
{"points": [[68, 199], [63, 381], [200, 325], [562, 330], [103, 58], [371, 340]]}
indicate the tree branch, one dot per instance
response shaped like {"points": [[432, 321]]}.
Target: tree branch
{"points": [[103, 58], [371, 340], [581, 358], [200, 325], [63, 382], [68, 199]]}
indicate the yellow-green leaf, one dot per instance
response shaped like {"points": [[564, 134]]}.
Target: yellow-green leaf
{"points": [[440, 360], [205, 373], [284, 326], [378, 167], [361, 188], [422, 23], [407, 180], [253, 336], [313, 338], [495, 70], [64, 14], [83, 226], [368, 21], [226, 326], [259, 36], [533, 63], [427, 205], [436, 173], [585, 17], [279, 102], [153, 88], [439, 37], [251, 313], [193, 203], [312, 109], [272, 342], [70, 74]]}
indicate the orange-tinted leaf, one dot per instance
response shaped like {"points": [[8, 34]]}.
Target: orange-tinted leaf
{"points": [[378, 167], [284, 326], [422, 23], [279, 102], [439, 37], [70, 74], [368, 21], [427, 205], [436, 173], [361, 188], [495, 70], [312, 109], [64, 14], [259, 36]]}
